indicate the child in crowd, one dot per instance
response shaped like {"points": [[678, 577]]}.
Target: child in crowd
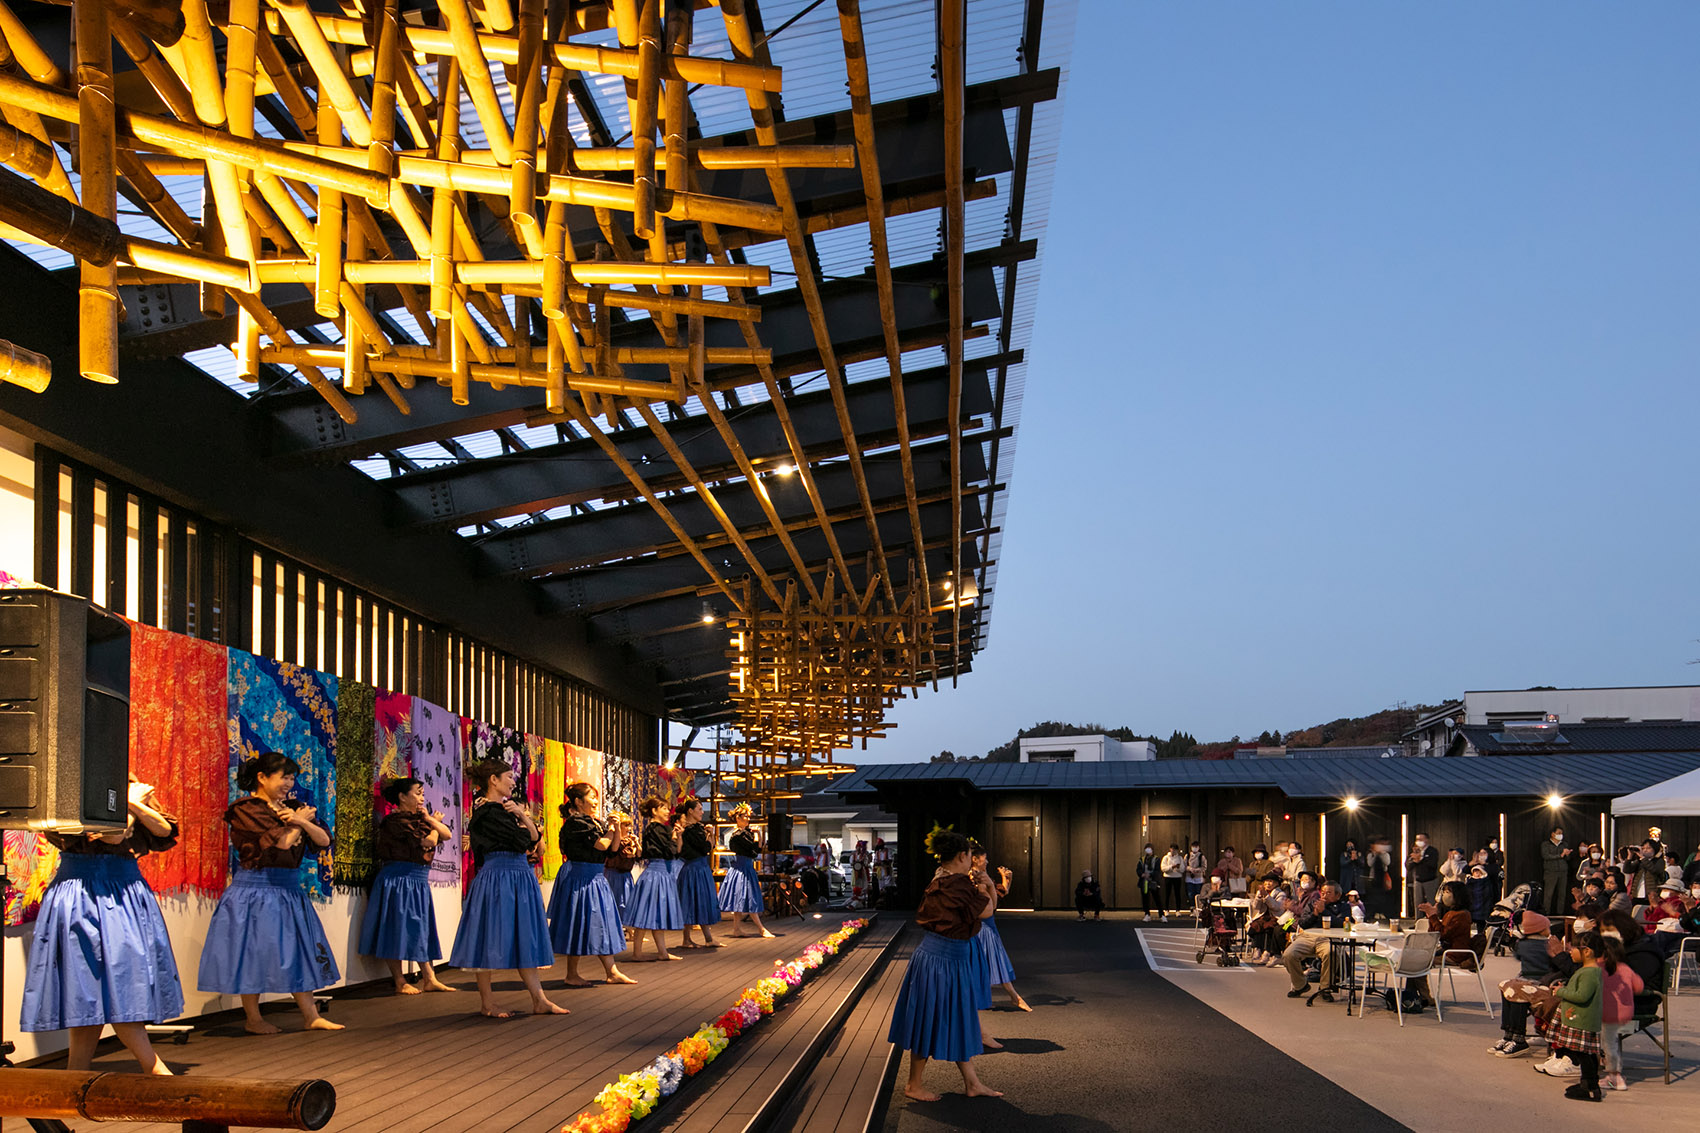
{"points": [[1617, 1013], [1576, 1030], [1534, 950]]}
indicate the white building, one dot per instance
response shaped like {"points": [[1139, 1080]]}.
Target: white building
{"points": [[1435, 733], [1086, 749]]}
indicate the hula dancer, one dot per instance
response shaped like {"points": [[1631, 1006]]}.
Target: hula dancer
{"points": [[622, 857], [503, 925], [740, 892], [101, 955], [401, 922], [1001, 972], [265, 936], [937, 1007], [654, 901], [583, 919], [697, 899]]}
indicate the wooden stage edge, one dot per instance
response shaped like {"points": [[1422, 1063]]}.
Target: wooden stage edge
{"points": [[430, 1061]]}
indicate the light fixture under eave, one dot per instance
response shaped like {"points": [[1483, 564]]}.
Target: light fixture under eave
{"points": [[707, 614], [1555, 801], [786, 469], [1351, 803]]}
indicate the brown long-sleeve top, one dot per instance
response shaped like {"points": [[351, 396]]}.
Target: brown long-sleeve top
{"points": [[258, 833], [951, 907], [402, 838], [138, 840]]}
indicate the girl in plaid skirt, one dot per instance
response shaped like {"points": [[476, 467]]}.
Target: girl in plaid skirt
{"points": [[1576, 1030]]}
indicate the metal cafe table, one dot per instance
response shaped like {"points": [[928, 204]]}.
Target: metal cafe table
{"points": [[1344, 943]]}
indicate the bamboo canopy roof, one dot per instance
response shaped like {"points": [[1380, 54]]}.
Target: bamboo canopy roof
{"points": [[705, 320]]}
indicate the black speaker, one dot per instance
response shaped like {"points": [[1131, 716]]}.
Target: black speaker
{"points": [[64, 713], [779, 833]]}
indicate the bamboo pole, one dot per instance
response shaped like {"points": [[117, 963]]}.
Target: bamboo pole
{"points": [[475, 73], [334, 86], [327, 280], [610, 159], [952, 66], [37, 64], [643, 108], [24, 368], [273, 329], [27, 154], [97, 154], [531, 273], [522, 201]]}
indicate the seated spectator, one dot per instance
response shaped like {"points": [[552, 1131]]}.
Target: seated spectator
{"points": [[1535, 949], [1331, 906], [1305, 894], [1594, 892], [1232, 872], [1639, 950], [1664, 918], [1267, 937], [1294, 867], [1355, 906], [1617, 891], [1260, 867], [1089, 895], [1673, 865]]}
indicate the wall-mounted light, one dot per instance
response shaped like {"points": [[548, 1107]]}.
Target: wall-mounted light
{"points": [[1351, 802], [1555, 800]]}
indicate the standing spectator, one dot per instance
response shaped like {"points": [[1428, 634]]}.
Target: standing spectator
{"points": [[1232, 871], [1295, 863], [1649, 871], [1194, 867], [1555, 872], [1380, 900], [1424, 871], [1088, 894], [1593, 863], [1454, 868], [1351, 866], [1481, 893], [1496, 868], [1261, 867], [1150, 874], [1174, 890]]}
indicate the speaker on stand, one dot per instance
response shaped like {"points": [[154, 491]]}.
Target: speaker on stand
{"points": [[779, 833]]}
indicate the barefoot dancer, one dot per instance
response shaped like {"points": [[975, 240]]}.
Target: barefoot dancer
{"points": [[936, 1014], [654, 901], [740, 893], [101, 954], [1002, 973], [503, 924], [401, 922], [265, 936], [697, 899], [583, 919]]}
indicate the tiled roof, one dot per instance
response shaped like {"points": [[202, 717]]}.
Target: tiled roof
{"points": [[1579, 738], [1614, 773]]}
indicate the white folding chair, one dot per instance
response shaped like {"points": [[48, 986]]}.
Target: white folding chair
{"points": [[1690, 946], [1413, 959], [1462, 959]]}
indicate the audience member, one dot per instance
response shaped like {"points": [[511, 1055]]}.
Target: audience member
{"points": [[1260, 867], [1664, 917], [1330, 907], [1534, 949], [1381, 898], [1351, 866], [1232, 871], [1174, 885], [1422, 868], [1193, 867], [1555, 872], [1088, 894], [1294, 866], [1264, 931], [1617, 1011], [1454, 868], [1150, 877]]}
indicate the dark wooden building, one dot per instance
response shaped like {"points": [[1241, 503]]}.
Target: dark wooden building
{"points": [[1049, 821]]}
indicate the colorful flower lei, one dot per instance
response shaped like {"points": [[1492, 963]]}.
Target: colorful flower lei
{"points": [[633, 1096]]}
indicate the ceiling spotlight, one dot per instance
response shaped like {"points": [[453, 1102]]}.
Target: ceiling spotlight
{"points": [[707, 614], [786, 469]]}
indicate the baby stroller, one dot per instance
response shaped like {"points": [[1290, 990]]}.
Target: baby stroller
{"points": [[1505, 911], [1220, 928]]}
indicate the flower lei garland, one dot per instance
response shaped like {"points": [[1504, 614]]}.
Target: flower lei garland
{"points": [[633, 1096]]}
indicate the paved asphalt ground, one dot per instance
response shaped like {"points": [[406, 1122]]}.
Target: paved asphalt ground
{"points": [[1111, 1045]]}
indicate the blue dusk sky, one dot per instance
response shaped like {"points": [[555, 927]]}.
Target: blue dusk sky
{"points": [[1364, 372]]}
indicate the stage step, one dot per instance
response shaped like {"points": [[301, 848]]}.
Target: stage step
{"points": [[754, 1082]]}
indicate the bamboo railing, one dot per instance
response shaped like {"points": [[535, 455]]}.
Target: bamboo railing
{"points": [[205, 1103]]}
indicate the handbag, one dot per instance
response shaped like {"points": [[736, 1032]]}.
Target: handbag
{"points": [[1236, 885]]}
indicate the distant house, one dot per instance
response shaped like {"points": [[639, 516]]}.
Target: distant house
{"points": [[1437, 733], [1085, 749]]}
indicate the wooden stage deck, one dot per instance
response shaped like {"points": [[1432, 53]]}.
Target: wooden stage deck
{"points": [[430, 1062]]}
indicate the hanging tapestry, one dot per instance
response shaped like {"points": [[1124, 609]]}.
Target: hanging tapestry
{"points": [[434, 758], [479, 742], [31, 861], [554, 791], [278, 706], [179, 745], [617, 787], [646, 781], [353, 863], [392, 739]]}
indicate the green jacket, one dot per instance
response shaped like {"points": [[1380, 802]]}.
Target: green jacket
{"points": [[1580, 1000]]}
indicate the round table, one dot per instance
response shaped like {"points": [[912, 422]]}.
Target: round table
{"points": [[1349, 941]]}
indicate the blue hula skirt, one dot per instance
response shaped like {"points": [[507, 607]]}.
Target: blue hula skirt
{"points": [[740, 892], [620, 884], [654, 900], [697, 898], [935, 1015], [583, 919], [997, 957], [503, 925], [265, 937], [982, 969], [401, 921], [101, 953]]}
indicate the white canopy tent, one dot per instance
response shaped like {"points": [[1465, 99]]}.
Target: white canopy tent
{"points": [[1680, 795]]}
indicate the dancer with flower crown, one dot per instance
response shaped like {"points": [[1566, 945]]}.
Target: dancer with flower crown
{"points": [[937, 1013], [740, 892], [583, 918]]}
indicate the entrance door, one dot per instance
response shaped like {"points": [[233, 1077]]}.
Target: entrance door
{"points": [[1012, 848]]}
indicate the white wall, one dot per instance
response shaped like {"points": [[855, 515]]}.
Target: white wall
{"points": [[186, 918], [1570, 705], [1090, 749]]}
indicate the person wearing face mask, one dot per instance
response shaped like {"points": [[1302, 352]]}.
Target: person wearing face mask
{"points": [[1294, 865], [1174, 884], [1614, 892], [1555, 869], [1193, 871], [1326, 904], [1150, 876], [1454, 868], [1422, 866], [1090, 895], [1592, 865], [1232, 872], [1495, 863]]}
